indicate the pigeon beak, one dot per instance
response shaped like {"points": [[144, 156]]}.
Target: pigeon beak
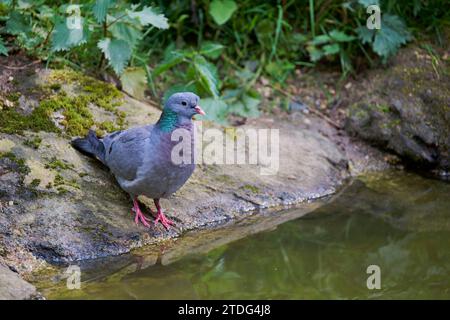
{"points": [[199, 110]]}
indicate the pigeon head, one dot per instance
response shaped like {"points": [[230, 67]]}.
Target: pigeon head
{"points": [[184, 104]]}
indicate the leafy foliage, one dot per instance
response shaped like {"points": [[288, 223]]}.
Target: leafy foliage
{"points": [[217, 48], [64, 38], [117, 51], [386, 41], [222, 10], [134, 82]]}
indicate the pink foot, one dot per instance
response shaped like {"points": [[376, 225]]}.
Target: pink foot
{"points": [[139, 215], [164, 221], [161, 217]]}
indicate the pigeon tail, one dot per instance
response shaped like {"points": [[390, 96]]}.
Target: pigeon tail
{"points": [[90, 146]]}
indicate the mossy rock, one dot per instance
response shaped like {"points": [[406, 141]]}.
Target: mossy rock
{"points": [[406, 109], [64, 100]]}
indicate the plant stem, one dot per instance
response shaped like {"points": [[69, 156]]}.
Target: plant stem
{"points": [[311, 17], [277, 32], [117, 19], [105, 33]]}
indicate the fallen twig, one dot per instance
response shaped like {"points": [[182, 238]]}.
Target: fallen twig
{"points": [[21, 67], [316, 112]]}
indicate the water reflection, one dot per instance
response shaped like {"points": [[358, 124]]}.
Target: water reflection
{"points": [[400, 222]]}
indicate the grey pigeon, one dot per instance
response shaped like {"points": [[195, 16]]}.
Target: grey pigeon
{"points": [[140, 158]]}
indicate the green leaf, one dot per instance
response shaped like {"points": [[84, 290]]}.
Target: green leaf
{"points": [[216, 110], [222, 10], [211, 49], [170, 60], [101, 9], [3, 49], [118, 53], [315, 54], [323, 38], [340, 36], [207, 75], [64, 38], [331, 49], [134, 82], [365, 34], [149, 16], [17, 24], [279, 69], [127, 32], [391, 36], [242, 104]]}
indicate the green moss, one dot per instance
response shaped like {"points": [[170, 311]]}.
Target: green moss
{"points": [[383, 108], [12, 121], [13, 97], [62, 190], [77, 116], [225, 178], [251, 188], [103, 94], [58, 165], [33, 143], [60, 181], [22, 167], [108, 126], [55, 86], [35, 183]]}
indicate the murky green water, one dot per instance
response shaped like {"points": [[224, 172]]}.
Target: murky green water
{"points": [[399, 222]]}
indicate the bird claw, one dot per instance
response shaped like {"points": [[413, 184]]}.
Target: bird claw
{"points": [[164, 221], [139, 215]]}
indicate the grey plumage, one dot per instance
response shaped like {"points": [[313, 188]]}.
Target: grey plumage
{"points": [[140, 158]]}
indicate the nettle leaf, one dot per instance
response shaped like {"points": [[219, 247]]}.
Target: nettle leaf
{"points": [[127, 32], [134, 82], [211, 50], [207, 75], [117, 51], [365, 34], [3, 49], [100, 9], [148, 16], [17, 23], [216, 110], [391, 36], [64, 38], [222, 10]]}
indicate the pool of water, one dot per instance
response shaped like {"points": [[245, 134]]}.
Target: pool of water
{"points": [[399, 222]]}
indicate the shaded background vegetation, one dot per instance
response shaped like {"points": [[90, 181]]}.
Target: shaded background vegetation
{"points": [[217, 48]]}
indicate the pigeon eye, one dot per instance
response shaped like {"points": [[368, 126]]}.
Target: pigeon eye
{"points": [[184, 103]]}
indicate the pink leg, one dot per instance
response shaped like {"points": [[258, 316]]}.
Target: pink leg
{"points": [[161, 217], [139, 215]]}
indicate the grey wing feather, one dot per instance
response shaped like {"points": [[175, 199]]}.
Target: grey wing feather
{"points": [[124, 151]]}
